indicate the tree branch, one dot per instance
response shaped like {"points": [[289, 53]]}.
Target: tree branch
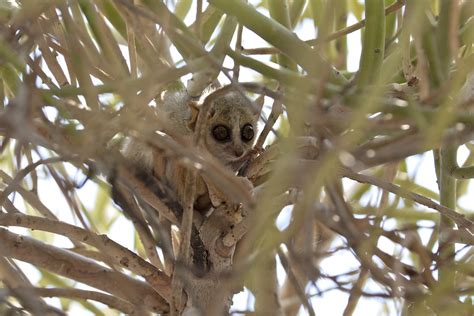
{"points": [[73, 266], [120, 254]]}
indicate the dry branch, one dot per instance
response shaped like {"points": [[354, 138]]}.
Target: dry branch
{"points": [[120, 255], [109, 300], [70, 265]]}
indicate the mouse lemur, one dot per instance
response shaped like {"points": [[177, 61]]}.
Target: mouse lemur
{"points": [[230, 132]]}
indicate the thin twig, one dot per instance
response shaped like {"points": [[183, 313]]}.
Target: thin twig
{"points": [[184, 255], [459, 219], [13, 185], [314, 42], [294, 282]]}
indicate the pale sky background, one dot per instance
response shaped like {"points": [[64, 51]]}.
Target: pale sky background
{"points": [[329, 304]]}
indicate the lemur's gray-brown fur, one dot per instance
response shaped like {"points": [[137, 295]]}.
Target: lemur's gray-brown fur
{"points": [[231, 129]]}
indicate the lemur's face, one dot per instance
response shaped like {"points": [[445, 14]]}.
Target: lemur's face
{"points": [[232, 129]]}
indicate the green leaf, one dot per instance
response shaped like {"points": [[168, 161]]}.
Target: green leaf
{"points": [[91, 307], [297, 8], [390, 21], [48, 278], [182, 8], [277, 35], [102, 201], [210, 23], [114, 17], [373, 47], [356, 8], [11, 79]]}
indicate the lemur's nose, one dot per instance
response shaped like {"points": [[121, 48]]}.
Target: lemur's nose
{"points": [[238, 151]]}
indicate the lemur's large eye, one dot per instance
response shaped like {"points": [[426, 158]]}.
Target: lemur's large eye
{"points": [[221, 133], [247, 133]]}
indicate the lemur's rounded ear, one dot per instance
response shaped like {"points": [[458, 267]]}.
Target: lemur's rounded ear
{"points": [[258, 104], [194, 107]]}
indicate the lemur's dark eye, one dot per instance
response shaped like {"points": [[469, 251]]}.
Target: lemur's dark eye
{"points": [[221, 133], [247, 133]]}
